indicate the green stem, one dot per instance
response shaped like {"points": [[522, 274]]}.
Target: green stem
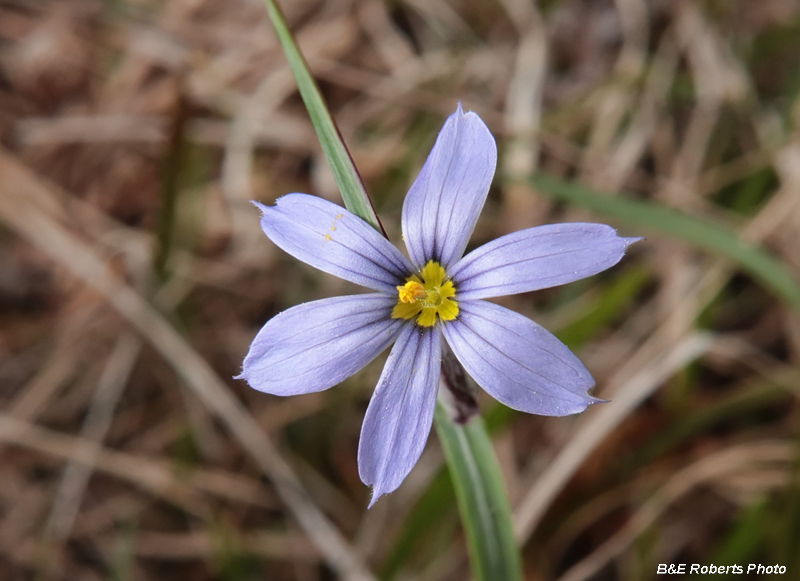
{"points": [[481, 496], [347, 178]]}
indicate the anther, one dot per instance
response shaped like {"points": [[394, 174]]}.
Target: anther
{"points": [[411, 291]]}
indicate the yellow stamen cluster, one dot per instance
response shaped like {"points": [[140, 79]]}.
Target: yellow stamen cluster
{"points": [[427, 297]]}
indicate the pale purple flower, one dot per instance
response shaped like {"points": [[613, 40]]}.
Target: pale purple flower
{"points": [[436, 294]]}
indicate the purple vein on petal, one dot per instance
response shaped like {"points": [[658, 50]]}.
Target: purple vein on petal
{"points": [[538, 258], [478, 315], [332, 239], [443, 204], [511, 356], [314, 346], [400, 413]]}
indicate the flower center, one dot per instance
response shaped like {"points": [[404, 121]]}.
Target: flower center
{"points": [[427, 295]]}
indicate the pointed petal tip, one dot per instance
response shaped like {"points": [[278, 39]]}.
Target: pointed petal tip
{"points": [[260, 206], [577, 408], [597, 400], [376, 494], [278, 202], [248, 379], [469, 116], [589, 401], [629, 241], [460, 110]]}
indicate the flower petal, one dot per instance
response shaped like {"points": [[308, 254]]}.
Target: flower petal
{"points": [[316, 345], [400, 412], [538, 258], [330, 238], [517, 361], [442, 207]]}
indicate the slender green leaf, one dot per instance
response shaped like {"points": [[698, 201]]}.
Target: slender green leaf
{"points": [[347, 178], [482, 498], [648, 216]]}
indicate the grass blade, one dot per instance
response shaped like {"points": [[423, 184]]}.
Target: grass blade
{"points": [[347, 178]]}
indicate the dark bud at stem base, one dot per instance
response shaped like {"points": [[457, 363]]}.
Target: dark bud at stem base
{"points": [[456, 392]]}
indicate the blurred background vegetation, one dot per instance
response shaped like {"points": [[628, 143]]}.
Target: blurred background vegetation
{"points": [[133, 275]]}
